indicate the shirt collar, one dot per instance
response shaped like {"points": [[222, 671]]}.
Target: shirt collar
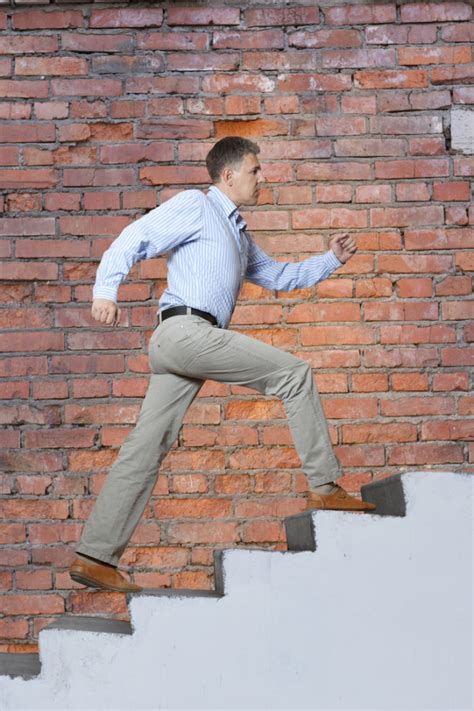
{"points": [[226, 203]]}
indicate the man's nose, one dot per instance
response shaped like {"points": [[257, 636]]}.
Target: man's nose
{"points": [[261, 178]]}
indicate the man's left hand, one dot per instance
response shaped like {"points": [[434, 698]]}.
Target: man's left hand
{"points": [[343, 247]]}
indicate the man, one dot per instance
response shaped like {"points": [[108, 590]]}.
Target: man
{"points": [[210, 254]]}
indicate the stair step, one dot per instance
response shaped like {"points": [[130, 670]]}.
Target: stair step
{"points": [[19, 665], [387, 494], [90, 624], [173, 592]]}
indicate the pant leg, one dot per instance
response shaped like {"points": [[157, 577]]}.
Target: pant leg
{"points": [[195, 348], [131, 479]]}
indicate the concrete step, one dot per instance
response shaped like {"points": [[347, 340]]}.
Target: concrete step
{"points": [[387, 494]]}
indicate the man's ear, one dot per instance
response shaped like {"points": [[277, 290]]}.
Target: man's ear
{"points": [[227, 176]]}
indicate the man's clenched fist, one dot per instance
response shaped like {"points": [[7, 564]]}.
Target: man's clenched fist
{"points": [[106, 311], [343, 247]]}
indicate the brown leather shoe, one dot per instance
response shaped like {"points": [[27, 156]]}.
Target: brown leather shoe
{"points": [[97, 575], [337, 501]]}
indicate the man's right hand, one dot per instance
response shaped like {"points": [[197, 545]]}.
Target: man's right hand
{"points": [[106, 311]]}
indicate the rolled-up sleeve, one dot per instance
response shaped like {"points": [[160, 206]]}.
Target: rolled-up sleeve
{"points": [[286, 276], [164, 228]]}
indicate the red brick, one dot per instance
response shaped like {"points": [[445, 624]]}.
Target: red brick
{"points": [[334, 171], [391, 79], [404, 216], [458, 33], [126, 17], [426, 147], [415, 406], [87, 364], [30, 365], [14, 133], [457, 310], [333, 193], [450, 381], [174, 128], [39, 19], [358, 104], [448, 191], [93, 224], [29, 44], [11, 111], [238, 105], [334, 218], [417, 334], [415, 288], [360, 14], [252, 128], [429, 12], [373, 288], [454, 285], [24, 89], [41, 178], [373, 432], [425, 264], [85, 87], [268, 16], [463, 74], [447, 430], [412, 192], [463, 95], [334, 126], [464, 166], [422, 454], [340, 58], [185, 62], [263, 39], [405, 124], [264, 531], [191, 41], [336, 335], [173, 175], [32, 604], [434, 55], [369, 382], [324, 38], [373, 193], [432, 100], [314, 82], [63, 66], [457, 356], [205, 106], [203, 532], [409, 381], [88, 42], [370, 147], [323, 312], [203, 16], [25, 318]]}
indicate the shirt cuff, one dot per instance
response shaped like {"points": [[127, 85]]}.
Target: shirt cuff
{"points": [[105, 292], [332, 261]]}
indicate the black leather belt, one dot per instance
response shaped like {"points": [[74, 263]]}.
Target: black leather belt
{"points": [[181, 310]]}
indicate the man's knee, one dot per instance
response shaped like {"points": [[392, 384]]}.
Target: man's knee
{"points": [[296, 379]]}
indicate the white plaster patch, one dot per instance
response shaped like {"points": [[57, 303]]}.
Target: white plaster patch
{"points": [[462, 130]]}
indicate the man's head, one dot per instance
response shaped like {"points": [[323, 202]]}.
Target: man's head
{"points": [[234, 167]]}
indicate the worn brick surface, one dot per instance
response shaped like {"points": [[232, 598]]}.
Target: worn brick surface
{"points": [[106, 111]]}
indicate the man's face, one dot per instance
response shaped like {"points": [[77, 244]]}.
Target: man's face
{"points": [[244, 181]]}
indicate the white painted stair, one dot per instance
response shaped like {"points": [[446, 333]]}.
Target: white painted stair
{"points": [[365, 611]]}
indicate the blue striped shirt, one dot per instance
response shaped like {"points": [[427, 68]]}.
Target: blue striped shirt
{"points": [[210, 253]]}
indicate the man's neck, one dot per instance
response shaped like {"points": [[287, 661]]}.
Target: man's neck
{"points": [[223, 188]]}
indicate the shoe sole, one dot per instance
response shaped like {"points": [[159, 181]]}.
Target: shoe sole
{"points": [[90, 583]]}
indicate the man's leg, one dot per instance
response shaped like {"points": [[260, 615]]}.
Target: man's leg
{"points": [[192, 347], [132, 477]]}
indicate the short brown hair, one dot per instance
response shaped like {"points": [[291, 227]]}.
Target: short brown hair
{"points": [[229, 151]]}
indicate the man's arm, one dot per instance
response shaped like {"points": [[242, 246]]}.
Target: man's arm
{"points": [[160, 230], [286, 276]]}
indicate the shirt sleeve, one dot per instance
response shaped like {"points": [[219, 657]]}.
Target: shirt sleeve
{"points": [[286, 276], [162, 229]]}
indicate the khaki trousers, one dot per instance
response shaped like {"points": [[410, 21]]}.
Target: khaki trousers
{"points": [[184, 351]]}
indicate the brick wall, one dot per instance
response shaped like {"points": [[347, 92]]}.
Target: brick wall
{"points": [[109, 110]]}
